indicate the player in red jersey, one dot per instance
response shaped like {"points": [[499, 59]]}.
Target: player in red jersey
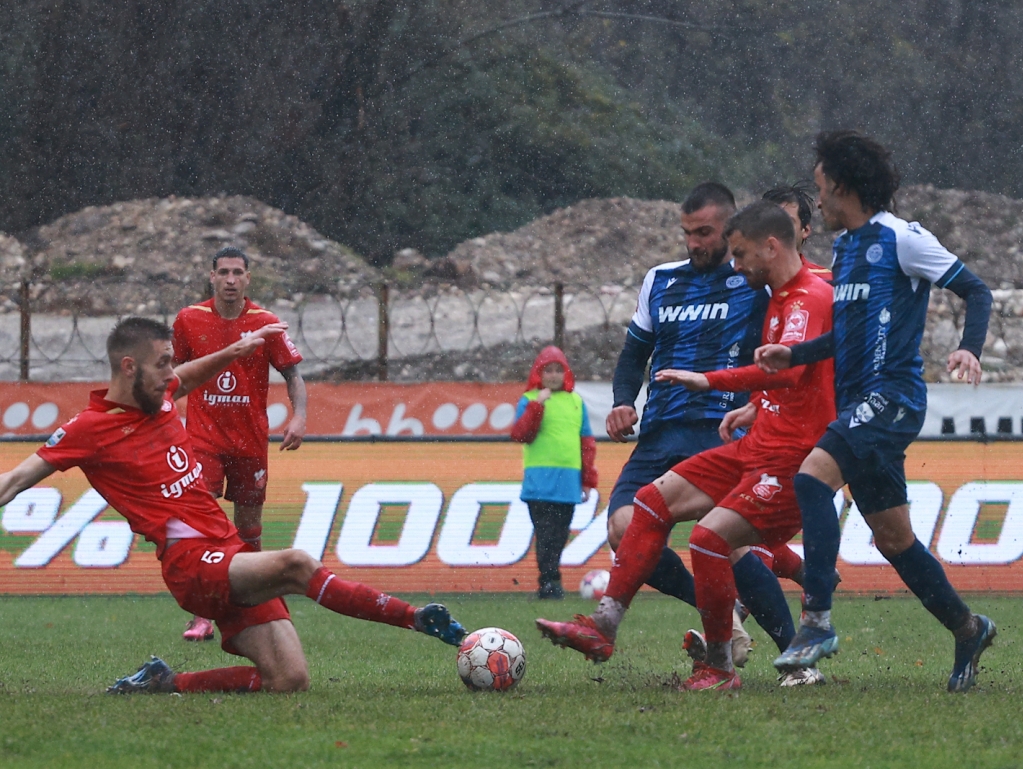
{"points": [[227, 419], [740, 492], [135, 452]]}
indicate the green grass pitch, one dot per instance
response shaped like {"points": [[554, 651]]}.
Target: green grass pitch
{"points": [[386, 697]]}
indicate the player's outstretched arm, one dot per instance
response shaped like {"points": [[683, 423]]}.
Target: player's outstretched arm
{"points": [[295, 430], [691, 380], [24, 476], [195, 372]]}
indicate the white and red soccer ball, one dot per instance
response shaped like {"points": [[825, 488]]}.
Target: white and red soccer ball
{"points": [[492, 660], [594, 584]]}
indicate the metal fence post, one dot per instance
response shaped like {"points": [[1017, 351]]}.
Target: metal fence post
{"points": [[559, 315], [26, 329], [383, 331]]}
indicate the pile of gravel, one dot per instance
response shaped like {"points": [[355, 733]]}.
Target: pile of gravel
{"points": [[153, 255]]}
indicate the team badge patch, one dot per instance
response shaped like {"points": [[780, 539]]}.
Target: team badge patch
{"points": [[56, 438], [767, 487], [795, 326], [874, 253], [735, 281], [863, 414]]}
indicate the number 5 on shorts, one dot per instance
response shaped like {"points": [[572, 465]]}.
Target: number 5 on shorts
{"points": [[212, 556]]}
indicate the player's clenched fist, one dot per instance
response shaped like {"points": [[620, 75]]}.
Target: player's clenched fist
{"points": [[620, 422], [772, 358]]}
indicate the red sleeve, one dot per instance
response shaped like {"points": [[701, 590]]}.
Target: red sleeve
{"points": [[69, 446], [527, 426], [182, 352], [283, 353], [589, 451], [751, 378], [806, 316]]}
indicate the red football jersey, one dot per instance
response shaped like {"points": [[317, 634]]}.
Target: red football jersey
{"points": [[795, 406], [824, 273], [227, 415], [144, 466]]}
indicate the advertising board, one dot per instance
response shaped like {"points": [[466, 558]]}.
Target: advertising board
{"points": [[443, 517]]}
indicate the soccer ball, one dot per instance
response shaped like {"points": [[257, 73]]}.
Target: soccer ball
{"points": [[594, 584], [491, 660]]}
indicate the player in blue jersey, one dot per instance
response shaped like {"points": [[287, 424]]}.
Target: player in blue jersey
{"points": [[883, 270], [697, 315]]}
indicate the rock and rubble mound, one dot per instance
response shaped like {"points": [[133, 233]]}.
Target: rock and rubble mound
{"points": [[153, 256], [610, 241]]}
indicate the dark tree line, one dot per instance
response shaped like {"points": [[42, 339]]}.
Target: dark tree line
{"points": [[394, 123]]}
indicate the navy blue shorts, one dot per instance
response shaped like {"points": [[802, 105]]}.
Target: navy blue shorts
{"points": [[868, 441], [659, 451]]}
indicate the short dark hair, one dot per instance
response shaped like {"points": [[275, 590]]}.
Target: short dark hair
{"points": [[132, 332], [708, 194], [859, 164], [762, 220], [798, 194], [230, 252]]}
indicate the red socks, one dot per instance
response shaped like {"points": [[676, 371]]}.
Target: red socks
{"points": [[355, 599], [236, 679], [252, 535], [786, 562], [640, 549], [715, 583]]}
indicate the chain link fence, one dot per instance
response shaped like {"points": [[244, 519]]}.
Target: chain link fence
{"points": [[369, 332]]}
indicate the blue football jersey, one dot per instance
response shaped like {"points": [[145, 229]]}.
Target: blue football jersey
{"points": [[883, 273], [697, 322]]}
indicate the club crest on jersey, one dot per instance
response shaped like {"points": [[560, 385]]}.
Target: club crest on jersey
{"points": [[863, 414], [795, 325], [227, 381], [57, 437], [767, 487], [874, 253], [735, 281], [167, 406], [177, 459]]}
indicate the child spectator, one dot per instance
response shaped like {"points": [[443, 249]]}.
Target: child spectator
{"points": [[558, 458]]}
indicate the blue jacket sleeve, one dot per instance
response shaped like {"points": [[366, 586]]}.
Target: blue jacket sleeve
{"points": [[631, 366], [817, 349], [967, 286]]}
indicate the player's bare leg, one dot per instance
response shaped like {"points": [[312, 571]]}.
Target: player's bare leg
{"points": [[248, 519]]}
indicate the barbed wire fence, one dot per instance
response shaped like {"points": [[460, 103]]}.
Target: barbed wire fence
{"points": [[363, 333]]}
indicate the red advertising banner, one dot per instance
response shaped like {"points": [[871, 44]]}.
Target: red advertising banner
{"points": [[446, 517], [363, 408]]}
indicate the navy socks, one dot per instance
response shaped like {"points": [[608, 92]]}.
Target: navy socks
{"points": [[926, 578], [821, 538], [760, 591], [672, 578]]}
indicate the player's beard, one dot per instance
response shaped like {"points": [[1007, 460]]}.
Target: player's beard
{"points": [[707, 261], [149, 403]]}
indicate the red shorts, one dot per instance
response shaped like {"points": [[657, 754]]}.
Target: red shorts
{"points": [[246, 477], [757, 487], [195, 571]]}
